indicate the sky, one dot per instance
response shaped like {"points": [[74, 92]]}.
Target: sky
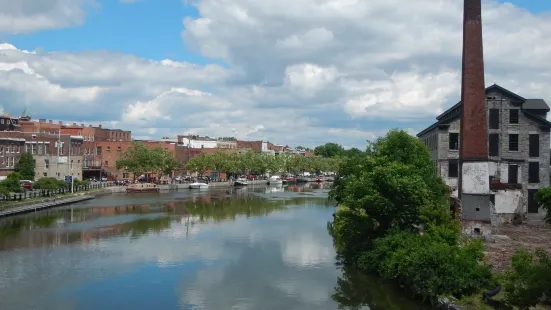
{"points": [[297, 72]]}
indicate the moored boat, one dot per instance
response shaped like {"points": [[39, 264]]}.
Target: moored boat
{"points": [[303, 179], [199, 185], [275, 180], [289, 180], [320, 178], [143, 188], [241, 181]]}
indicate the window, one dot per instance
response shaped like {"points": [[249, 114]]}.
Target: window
{"points": [[47, 163], [513, 174], [494, 119], [493, 147], [45, 174], [513, 116], [533, 172], [534, 145], [98, 150], [454, 141], [453, 168], [513, 142], [106, 163], [108, 148]]}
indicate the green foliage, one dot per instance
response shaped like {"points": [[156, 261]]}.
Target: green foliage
{"points": [[543, 198], [48, 183], [397, 224], [329, 150], [11, 184], [139, 159], [260, 163], [427, 266], [528, 283], [26, 166]]}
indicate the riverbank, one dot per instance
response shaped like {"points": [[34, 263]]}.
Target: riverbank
{"points": [[35, 204]]}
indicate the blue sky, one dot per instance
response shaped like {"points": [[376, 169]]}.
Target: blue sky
{"points": [[146, 29], [372, 67]]}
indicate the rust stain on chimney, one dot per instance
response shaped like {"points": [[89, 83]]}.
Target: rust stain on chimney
{"points": [[474, 133]]}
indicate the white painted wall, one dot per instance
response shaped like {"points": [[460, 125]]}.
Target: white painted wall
{"points": [[264, 146], [508, 201], [198, 144], [476, 178]]}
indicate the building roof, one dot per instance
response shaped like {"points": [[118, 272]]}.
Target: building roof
{"points": [[526, 105]]}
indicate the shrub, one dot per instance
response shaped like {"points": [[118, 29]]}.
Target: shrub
{"points": [[429, 266], [543, 198], [47, 183], [528, 283]]}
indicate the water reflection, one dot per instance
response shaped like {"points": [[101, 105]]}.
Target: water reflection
{"points": [[221, 249]]}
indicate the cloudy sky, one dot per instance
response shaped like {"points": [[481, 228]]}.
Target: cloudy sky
{"points": [[289, 71]]}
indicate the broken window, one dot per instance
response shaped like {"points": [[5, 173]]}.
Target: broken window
{"points": [[513, 142], [513, 174], [454, 141], [493, 141], [533, 172], [453, 168], [534, 145], [494, 119], [513, 116]]}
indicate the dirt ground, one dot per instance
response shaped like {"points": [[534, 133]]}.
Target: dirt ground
{"points": [[508, 238]]}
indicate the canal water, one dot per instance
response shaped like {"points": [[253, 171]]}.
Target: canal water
{"points": [[252, 248]]}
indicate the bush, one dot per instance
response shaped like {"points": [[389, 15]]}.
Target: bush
{"points": [[543, 198], [12, 183], [528, 283], [429, 266], [48, 183]]}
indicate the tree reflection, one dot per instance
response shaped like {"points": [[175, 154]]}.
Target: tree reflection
{"points": [[356, 290]]}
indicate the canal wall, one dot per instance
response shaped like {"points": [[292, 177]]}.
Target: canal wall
{"points": [[44, 204]]}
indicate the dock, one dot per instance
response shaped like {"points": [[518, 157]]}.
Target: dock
{"points": [[49, 203]]}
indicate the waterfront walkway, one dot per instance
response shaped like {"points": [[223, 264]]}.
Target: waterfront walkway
{"points": [[47, 203]]}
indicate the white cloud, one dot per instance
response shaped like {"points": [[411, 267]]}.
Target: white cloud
{"points": [[25, 16], [297, 72]]}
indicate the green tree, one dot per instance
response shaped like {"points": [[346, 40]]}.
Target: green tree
{"points": [[12, 183], [26, 166], [163, 162], [329, 150], [47, 184], [200, 164], [543, 199], [137, 160]]}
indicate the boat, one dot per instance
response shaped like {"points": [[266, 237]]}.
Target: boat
{"points": [[329, 179], [320, 178], [241, 181], [143, 188], [289, 180], [199, 185], [303, 179], [275, 180]]}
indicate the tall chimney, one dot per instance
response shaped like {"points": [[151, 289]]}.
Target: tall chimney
{"points": [[474, 182]]}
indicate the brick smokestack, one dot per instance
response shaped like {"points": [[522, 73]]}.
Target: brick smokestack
{"points": [[474, 176], [474, 132]]}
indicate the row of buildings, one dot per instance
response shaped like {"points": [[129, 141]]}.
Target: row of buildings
{"points": [[518, 148], [85, 152]]}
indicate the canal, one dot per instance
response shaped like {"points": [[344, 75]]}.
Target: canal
{"points": [[252, 248]]}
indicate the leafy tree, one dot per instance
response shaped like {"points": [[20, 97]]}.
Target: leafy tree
{"points": [[200, 164], [12, 183], [163, 162], [48, 183], [329, 150], [26, 166], [137, 160], [394, 220], [528, 283], [543, 199]]}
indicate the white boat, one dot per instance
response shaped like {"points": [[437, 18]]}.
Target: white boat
{"points": [[275, 180], [240, 182], [198, 185]]}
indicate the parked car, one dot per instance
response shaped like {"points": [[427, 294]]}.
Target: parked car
{"points": [[26, 184]]}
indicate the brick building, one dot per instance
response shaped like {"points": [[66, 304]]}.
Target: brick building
{"points": [[518, 148]]}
